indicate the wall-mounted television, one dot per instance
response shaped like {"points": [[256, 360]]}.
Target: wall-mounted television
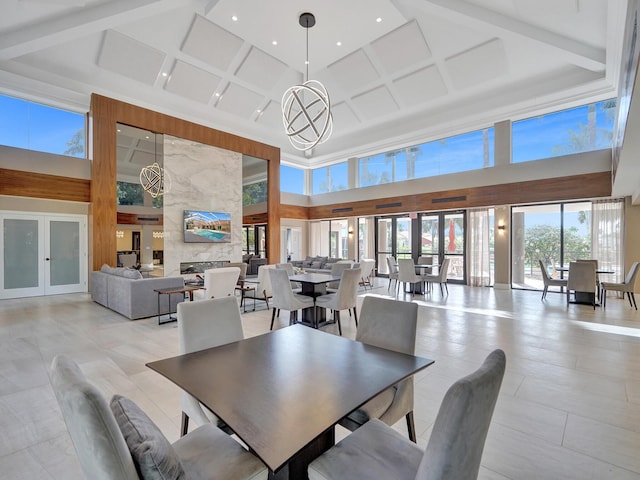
{"points": [[207, 227]]}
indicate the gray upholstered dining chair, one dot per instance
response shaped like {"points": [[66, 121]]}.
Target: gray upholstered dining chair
{"points": [[221, 282], [626, 286], [407, 272], [206, 324], [284, 298], [290, 271], [346, 298], [336, 271], [548, 281], [455, 447], [389, 324], [115, 441], [441, 277], [582, 278], [263, 287], [392, 265]]}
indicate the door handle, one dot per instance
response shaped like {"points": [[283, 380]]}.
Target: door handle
{"points": [[47, 259]]}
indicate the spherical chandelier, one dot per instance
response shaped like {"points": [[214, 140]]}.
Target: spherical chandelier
{"points": [[306, 108]]}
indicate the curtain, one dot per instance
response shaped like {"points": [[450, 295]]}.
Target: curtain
{"points": [[478, 264], [607, 234]]}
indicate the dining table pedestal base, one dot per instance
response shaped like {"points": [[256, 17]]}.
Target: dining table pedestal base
{"points": [[296, 469]]}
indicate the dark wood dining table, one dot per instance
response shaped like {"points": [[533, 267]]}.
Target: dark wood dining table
{"points": [[283, 392], [314, 285]]}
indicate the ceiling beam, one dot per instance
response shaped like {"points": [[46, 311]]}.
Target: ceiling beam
{"points": [[80, 23], [464, 13]]}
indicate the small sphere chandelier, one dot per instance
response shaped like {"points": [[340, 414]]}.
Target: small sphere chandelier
{"points": [[306, 108]]}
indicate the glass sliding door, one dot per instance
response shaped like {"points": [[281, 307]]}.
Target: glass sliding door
{"points": [[556, 234], [442, 235], [393, 238]]}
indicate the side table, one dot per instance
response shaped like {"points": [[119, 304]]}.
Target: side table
{"points": [[247, 286], [174, 291]]}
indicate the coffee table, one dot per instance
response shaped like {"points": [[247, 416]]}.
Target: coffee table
{"points": [[283, 392]]}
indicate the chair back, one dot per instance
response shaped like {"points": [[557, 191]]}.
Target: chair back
{"points": [[336, 271], [545, 273], [208, 323], [407, 270], [458, 435], [221, 282], [286, 266], [425, 260], [389, 324], [347, 294], [98, 441], [281, 289], [392, 265], [582, 277], [366, 268], [243, 271], [631, 275], [443, 271], [127, 259], [263, 288]]}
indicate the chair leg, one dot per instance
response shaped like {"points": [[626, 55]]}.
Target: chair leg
{"points": [[603, 299], [544, 292], [411, 427], [336, 318], [634, 299], [273, 317], [184, 427], [355, 316]]}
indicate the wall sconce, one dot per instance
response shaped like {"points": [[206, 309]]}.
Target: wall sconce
{"points": [[501, 227], [119, 234]]}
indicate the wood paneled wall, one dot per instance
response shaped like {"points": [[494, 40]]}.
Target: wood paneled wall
{"points": [[106, 112], [39, 185], [139, 219], [592, 185]]}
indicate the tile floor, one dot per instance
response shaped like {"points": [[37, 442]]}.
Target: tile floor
{"points": [[569, 406]]}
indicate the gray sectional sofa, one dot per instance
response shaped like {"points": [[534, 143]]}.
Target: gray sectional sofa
{"points": [[315, 264], [123, 290]]}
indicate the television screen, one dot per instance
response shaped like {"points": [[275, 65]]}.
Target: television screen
{"points": [[207, 227]]}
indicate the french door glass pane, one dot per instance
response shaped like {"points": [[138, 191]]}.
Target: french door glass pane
{"points": [[430, 235], [577, 231], [21, 257], [535, 235], [64, 253], [403, 237], [454, 244]]}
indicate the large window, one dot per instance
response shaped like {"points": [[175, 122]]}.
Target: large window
{"points": [[330, 179], [254, 193], [32, 126], [581, 129], [556, 234], [291, 179], [470, 151]]}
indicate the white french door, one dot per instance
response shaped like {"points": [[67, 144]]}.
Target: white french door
{"points": [[42, 254]]}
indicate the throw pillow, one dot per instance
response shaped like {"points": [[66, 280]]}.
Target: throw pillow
{"points": [[107, 269], [152, 453], [316, 265], [132, 273]]}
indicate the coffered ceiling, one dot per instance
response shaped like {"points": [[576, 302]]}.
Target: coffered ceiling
{"points": [[405, 71]]}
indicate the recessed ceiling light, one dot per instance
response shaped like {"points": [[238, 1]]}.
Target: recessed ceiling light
{"points": [[164, 74], [379, 19], [234, 18], [258, 110], [339, 44], [275, 42], [147, 137], [217, 94]]}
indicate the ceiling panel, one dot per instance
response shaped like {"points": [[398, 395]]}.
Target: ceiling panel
{"points": [[402, 48], [354, 71], [210, 43], [192, 82], [261, 69], [129, 57], [421, 86], [240, 101], [375, 103]]}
